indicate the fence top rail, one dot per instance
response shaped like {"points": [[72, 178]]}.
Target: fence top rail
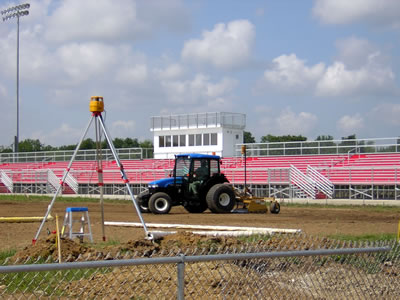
{"points": [[182, 259], [322, 147]]}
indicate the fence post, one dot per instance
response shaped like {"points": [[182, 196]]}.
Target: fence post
{"points": [[181, 278]]}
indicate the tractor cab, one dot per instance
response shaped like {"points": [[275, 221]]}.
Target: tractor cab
{"points": [[193, 177], [194, 171]]}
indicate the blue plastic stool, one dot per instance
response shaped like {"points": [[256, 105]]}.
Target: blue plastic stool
{"points": [[68, 228]]}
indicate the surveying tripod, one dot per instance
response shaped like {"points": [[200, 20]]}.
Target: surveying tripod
{"points": [[97, 107]]}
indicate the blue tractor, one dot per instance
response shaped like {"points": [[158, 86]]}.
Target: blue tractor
{"points": [[196, 183]]}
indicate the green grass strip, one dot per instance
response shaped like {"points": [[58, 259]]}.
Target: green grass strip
{"points": [[364, 237]]}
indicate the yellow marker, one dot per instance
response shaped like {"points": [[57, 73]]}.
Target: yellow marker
{"points": [[58, 241], [398, 232], [96, 104]]}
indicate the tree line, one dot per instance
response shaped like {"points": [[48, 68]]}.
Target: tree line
{"points": [[248, 138], [34, 145]]}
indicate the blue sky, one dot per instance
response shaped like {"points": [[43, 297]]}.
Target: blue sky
{"points": [[322, 67]]}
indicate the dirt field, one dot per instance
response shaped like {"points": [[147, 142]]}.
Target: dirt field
{"points": [[311, 220]]}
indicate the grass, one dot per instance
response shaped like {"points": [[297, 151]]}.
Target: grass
{"points": [[373, 208], [5, 254], [364, 237], [27, 198]]}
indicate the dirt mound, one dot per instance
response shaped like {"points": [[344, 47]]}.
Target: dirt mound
{"points": [[181, 242], [47, 248]]}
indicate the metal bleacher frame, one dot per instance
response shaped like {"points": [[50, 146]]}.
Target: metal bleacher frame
{"points": [[26, 169]]}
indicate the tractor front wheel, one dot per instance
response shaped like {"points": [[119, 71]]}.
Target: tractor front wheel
{"points": [[160, 203], [221, 198], [143, 205]]}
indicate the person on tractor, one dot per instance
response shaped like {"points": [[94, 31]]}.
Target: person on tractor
{"points": [[200, 174]]}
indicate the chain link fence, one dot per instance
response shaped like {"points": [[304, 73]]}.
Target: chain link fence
{"points": [[273, 267]]}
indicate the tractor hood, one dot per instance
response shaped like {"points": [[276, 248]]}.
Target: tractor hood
{"points": [[164, 182]]}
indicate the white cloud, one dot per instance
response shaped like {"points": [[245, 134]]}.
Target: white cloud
{"points": [[90, 19], [338, 80], [137, 74], [289, 122], [172, 71], [290, 73], [386, 113], [103, 20], [354, 52], [83, 61], [64, 135], [198, 89], [226, 46], [381, 12], [350, 124], [362, 75], [122, 128]]}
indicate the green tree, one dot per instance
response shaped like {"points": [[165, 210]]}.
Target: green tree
{"points": [[49, 148], [5, 149], [118, 143], [324, 138], [282, 138], [88, 144], [131, 143], [146, 144], [248, 137], [325, 144], [348, 143], [30, 145], [67, 147]]}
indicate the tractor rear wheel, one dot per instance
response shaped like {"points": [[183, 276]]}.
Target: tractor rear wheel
{"points": [[275, 208], [160, 203], [221, 198], [195, 208]]}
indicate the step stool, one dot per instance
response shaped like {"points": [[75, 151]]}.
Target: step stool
{"points": [[68, 228]]}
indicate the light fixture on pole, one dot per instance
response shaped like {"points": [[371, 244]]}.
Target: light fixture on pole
{"points": [[10, 13]]}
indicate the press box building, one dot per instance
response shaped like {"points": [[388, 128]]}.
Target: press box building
{"points": [[208, 133]]}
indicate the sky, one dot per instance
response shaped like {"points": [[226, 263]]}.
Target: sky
{"points": [[322, 67]]}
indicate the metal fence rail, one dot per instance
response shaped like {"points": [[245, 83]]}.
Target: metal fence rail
{"points": [[353, 272]]}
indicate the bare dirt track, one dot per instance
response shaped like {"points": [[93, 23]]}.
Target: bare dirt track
{"points": [[311, 220]]}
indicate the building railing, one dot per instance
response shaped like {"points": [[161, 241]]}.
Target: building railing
{"points": [[199, 120]]}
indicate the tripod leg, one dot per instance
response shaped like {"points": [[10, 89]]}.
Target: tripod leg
{"points": [[62, 181], [100, 174], [124, 177]]}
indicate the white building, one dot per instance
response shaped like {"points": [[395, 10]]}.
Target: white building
{"points": [[208, 133]]}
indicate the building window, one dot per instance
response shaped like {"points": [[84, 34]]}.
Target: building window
{"points": [[161, 141], [191, 139], [213, 139], [175, 141], [206, 139], [198, 139], [182, 140], [168, 141], [237, 136]]}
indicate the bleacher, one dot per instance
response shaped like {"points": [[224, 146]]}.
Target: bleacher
{"points": [[340, 169]]}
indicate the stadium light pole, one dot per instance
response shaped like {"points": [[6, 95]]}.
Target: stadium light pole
{"points": [[10, 13]]}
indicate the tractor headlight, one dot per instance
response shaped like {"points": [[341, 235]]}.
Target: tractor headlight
{"points": [[153, 186]]}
